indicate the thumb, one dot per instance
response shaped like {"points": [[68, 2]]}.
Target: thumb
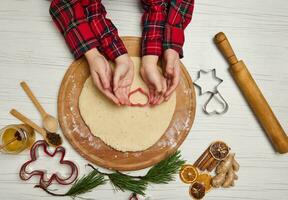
{"points": [[169, 68], [158, 86], [104, 79], [116, 80]]}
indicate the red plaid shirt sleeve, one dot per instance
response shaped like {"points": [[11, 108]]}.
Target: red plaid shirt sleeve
{"points": [[104, 30], [153, 21], [84, 26], [69, 17], [178, 17]]}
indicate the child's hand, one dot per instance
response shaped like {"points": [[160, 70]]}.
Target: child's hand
{"points": [[123, 78], [153, 79], [171, 71], [101, 73]]}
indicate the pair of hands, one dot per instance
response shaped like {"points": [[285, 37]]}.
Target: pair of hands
{"points": [[117, 86], [161, 85]]}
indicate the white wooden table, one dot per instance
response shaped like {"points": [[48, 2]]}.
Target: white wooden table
{"points": [[33, 50]]}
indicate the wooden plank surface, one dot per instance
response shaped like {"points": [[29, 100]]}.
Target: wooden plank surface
{"points": [[33, 50]]}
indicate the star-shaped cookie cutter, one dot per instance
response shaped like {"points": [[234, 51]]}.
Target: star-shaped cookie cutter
{"points": [[213, 91]]}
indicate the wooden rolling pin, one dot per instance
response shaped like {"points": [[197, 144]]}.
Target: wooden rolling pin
{"points": [[253, 95]]}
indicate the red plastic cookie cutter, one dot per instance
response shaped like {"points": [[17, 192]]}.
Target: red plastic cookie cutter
{"points": [[142, 92], [44, 183], [133, 196]]}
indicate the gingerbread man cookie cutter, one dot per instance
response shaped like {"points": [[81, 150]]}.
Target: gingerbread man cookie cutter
{"points": [[44, 182], [213, 91]]}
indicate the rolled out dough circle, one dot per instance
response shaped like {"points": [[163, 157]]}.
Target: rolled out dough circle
{"points": [[125, 128]]}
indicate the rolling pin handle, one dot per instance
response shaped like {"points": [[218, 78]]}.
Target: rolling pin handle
{"points": [[224, 46]]}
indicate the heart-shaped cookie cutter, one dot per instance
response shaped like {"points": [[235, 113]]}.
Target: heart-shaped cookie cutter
{"points": [[26, 175], [142, 92], [214, 91]]}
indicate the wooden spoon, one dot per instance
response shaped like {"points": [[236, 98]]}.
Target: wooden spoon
{"points": [[50, 123], [40, 130]]}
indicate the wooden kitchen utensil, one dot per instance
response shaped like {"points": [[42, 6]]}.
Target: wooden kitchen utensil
{"points": [[50, 123], [46, 135], [253, 95]]}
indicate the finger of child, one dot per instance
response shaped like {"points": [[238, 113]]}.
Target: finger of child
{"points": [[107, 93], [116, 80], [104, 79], [157, 97], [154, 97], [151, 95], [126, 95], [169, 67], [123, 98], [164, 86], [160, 100], [96, 81], [169, 81], [120, 96], [125, 83], [175, 82], [171, 89], [168, 97], [158, 86]]}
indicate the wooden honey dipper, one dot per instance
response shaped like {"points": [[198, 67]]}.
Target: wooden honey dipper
{"points": [[253, 95]]}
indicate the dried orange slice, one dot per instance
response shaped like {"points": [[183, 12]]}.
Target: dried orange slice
{"points": [[197, 190], [205, 179], [188, 173], [219, 150]]}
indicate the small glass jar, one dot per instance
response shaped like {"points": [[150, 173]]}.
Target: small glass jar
{"points": [[8, 133]]}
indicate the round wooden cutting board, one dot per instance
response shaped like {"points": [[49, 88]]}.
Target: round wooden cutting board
{"points": [[98, 153]]}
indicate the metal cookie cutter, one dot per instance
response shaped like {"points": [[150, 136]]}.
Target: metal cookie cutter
{"points": [[212, 90]]}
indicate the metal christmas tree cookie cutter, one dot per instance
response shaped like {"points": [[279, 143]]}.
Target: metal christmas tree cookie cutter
{"points": [[213, 91]]}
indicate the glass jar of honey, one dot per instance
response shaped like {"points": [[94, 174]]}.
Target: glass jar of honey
{"points": [[16, 138]]}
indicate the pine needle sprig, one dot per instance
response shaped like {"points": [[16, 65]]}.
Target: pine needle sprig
{"points": [[164, 171], [86, 184], [127, 183], [124, 182], [82, 185], [161, 173]]}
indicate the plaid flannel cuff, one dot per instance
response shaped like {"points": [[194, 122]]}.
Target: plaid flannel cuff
{"points": [[80, 39], [112, 46], [151, 47], [174, 39]]}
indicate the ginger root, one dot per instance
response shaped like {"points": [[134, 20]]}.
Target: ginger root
{"points": [[235, 165], [225, 165], [226, 172], [230, 177], [218, 180]]}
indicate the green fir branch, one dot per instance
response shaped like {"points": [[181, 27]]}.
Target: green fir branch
{"points": [[164, 171], [86, 184], [161, 173], [82, 185], [127, 183]]}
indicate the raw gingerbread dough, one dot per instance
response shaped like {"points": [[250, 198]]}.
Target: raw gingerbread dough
{"points": [[125, 128]]}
